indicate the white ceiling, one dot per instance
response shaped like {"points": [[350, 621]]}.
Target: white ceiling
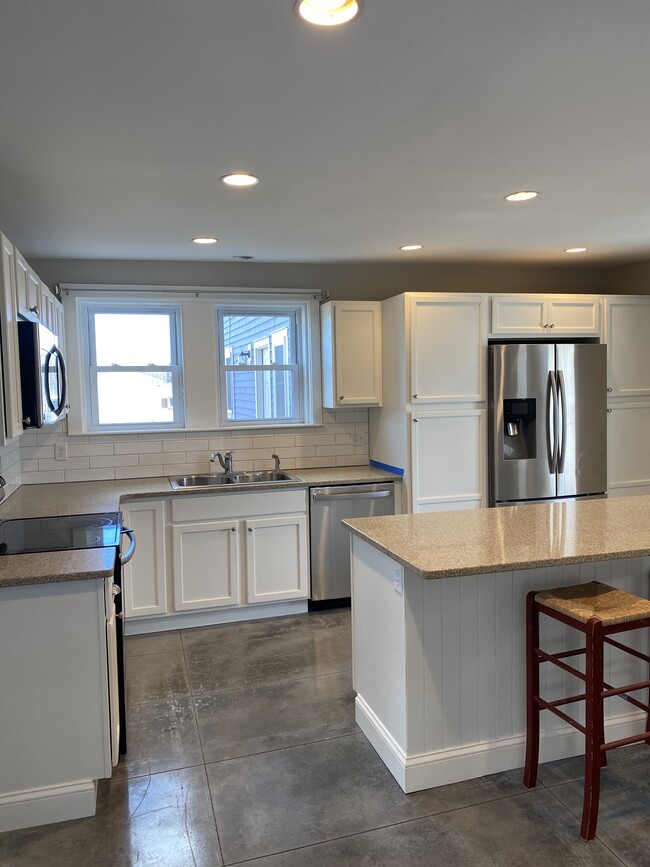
{"points": [[410, 124]]}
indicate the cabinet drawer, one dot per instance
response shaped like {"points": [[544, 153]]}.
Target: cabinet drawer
{"points": [[238, 505]]}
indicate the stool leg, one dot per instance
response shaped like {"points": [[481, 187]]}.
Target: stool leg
{"points": [[594, 727], [532, 692]]}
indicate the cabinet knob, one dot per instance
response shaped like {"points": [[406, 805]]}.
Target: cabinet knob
{"points": [[609, 388], [341, 397], [233, 529], [415, 397], [416, 420], [35, 310], [610, 410], [250, 529], [552, 325]]}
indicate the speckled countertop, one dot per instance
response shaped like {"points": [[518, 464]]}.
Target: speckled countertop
{"points": [[480, 541], [76, 498]]}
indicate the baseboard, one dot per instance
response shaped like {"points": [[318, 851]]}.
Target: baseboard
{"points": [[188, 619], [47, 804], [428, 770]]}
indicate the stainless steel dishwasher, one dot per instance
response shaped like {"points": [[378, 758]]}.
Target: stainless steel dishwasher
{"points": [[330, 541]]}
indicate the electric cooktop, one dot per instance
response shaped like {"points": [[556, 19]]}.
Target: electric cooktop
{"points": [[65, 533]]}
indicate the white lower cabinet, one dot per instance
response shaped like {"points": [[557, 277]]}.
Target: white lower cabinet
{"points": [[206, 565], [448, 459], [145, 577], [628, 455], [204, 559], [274, 541]]}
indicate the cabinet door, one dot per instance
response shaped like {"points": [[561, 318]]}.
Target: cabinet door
{"points": [[573, 316], [58, 323], [28, 289], [517, 316], [47, 311], [276, 558], [206, 565], [448, 349], [357, 328], [628, 455], [351, 347], [448, 460], [627, 326], [145, 576], [13, 422]]}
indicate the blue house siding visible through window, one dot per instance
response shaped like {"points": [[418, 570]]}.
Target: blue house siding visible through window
{"points": [[255, 394]]}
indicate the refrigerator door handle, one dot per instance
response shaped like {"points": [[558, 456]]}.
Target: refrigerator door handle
{"points": [[551, 422], [562, 395]]}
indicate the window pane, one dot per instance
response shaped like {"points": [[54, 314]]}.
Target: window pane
{"points": [[126, 397], [260, 394], [133, 339], [253, 339]]}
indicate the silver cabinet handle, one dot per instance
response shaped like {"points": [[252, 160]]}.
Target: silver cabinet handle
{"points": [[124, 558], [35, 310]]}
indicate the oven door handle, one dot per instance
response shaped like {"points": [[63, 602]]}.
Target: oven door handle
{"points": [[124, 558]]}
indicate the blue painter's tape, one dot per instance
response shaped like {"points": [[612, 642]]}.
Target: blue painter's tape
{"points": [[397, 470]]}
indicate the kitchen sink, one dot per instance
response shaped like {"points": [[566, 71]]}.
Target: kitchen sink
{"points": [[254, 478], [210, 480], [205, 481]]}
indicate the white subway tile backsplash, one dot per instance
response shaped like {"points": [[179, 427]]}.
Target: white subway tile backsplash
{"points": [[89, 475], [124, 456], [138, 448]]}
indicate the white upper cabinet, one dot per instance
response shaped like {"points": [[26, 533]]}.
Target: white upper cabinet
{"points": [[447, 348], [627, 335], [351, 347], [28, 289], [10, 386], [545, 316]]}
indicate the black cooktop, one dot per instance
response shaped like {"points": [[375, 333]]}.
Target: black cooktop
{"points": [[65, 533]]}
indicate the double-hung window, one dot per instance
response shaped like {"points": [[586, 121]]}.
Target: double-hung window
{"points": [[134, 379], [263, 365]]}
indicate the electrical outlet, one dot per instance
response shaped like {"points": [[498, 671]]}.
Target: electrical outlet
{"points": [[358, 438], [398, 580], [60, 451]]}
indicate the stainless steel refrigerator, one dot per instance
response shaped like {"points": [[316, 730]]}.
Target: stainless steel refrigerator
{"points": [[548, 421]]}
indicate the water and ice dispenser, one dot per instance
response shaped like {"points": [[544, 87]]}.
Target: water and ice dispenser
{"points": [[519, 429]]}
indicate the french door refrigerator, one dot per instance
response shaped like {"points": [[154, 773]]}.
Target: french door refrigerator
{"points": [[548, 421]]}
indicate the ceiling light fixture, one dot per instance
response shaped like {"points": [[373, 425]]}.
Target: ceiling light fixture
{"points": [[327, 13], [576, 250], [240, 179], [204, 240], [521, 196], [407, 247], [244, 258]]}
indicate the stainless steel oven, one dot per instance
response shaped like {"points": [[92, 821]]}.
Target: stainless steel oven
{"points": [[73, 532]]}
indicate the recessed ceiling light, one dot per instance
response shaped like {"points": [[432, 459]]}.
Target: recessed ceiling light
{"points": [[327, 13], [407, 247], [205, 240], [244, 258], [521, 196], [576, 250], [240, 179]]}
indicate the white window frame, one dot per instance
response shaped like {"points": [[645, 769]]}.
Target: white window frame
{"points": [[88, 310], [302, 368]]}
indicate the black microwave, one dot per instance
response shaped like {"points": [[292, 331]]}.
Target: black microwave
{"points": [[43, 376]]}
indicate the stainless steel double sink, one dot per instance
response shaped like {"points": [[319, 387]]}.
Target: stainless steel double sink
{"points": [[215, 480]]}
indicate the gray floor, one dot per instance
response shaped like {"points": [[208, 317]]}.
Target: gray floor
{"points": [[243, 748]]}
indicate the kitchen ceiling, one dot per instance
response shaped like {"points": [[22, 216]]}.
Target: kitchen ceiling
{"points": [[406, 126]]}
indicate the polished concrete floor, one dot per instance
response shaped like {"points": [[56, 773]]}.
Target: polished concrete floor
{"points": [[243, 748]]}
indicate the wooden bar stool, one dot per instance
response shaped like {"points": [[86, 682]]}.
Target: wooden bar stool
{"points": [[598, 611]]}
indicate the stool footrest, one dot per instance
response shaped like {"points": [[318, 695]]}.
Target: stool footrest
{"points": [[625, 647], [623, 742], [550, 657], [547, 705]]}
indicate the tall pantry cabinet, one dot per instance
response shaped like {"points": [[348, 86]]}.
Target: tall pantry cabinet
{"points": [[432, 425]]}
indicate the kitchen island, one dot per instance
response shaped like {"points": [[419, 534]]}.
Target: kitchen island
{"points": [[438, 629]]}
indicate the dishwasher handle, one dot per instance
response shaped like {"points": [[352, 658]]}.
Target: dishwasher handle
{"points": [[324, 494]]}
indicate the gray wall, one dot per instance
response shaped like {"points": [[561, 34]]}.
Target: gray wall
{"points": [[356, 281]]}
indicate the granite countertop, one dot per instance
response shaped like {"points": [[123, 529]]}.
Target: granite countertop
{"points": [[77, 498], [480, 541]]}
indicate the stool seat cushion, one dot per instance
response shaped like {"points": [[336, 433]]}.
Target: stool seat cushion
{"points": [[595, 599]]}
